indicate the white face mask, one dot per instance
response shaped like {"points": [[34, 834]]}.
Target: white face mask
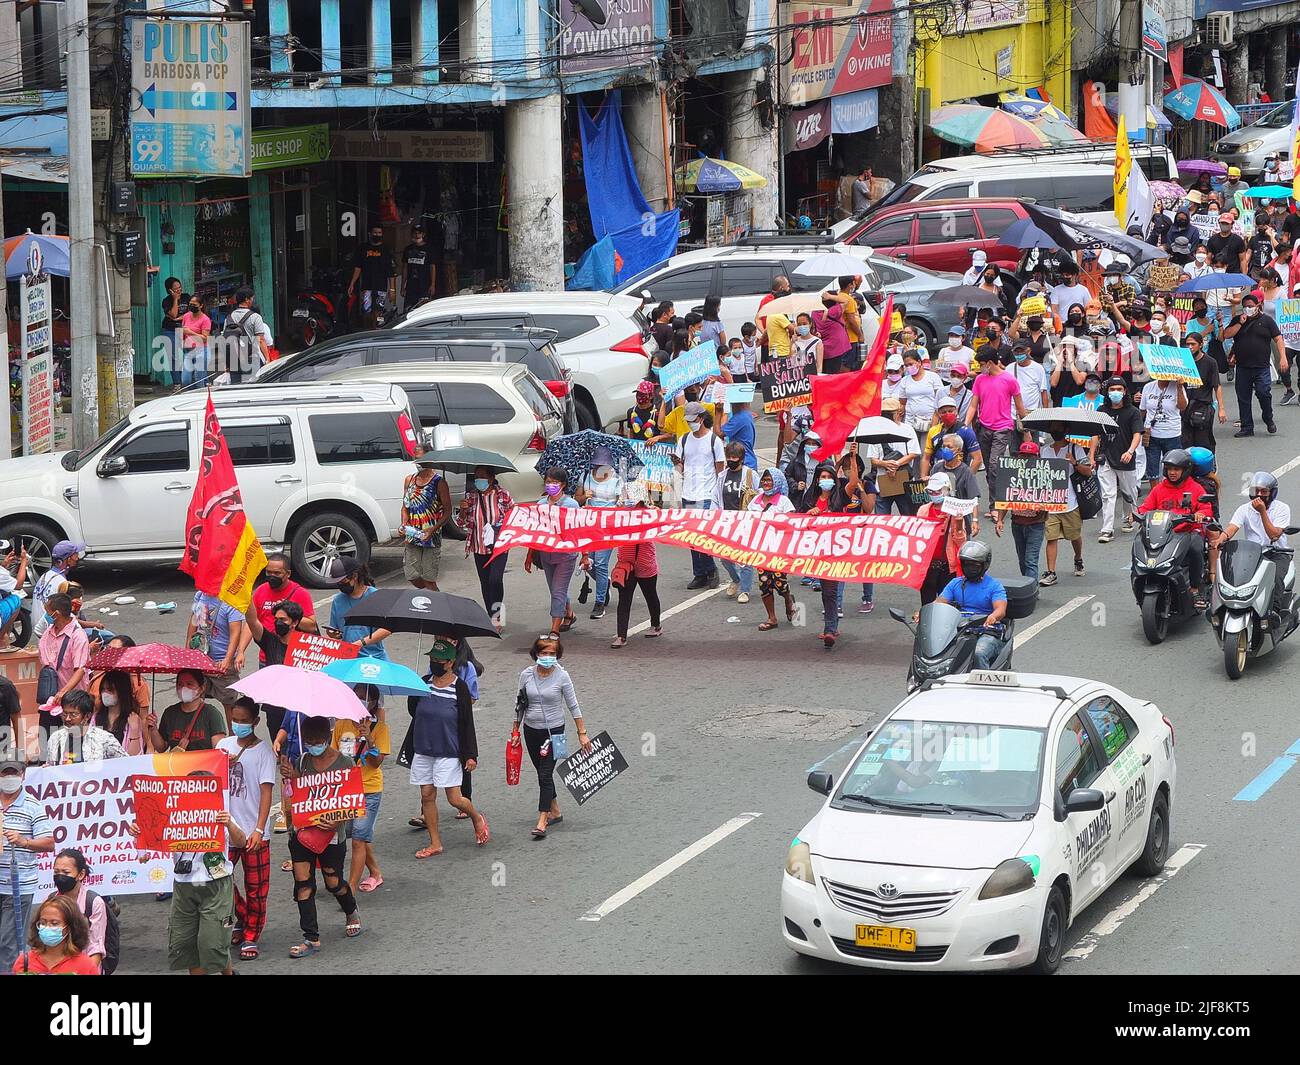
{"points": [[1200, 256], [954, 343], [11, 785], [108, 698], [188, 695]]}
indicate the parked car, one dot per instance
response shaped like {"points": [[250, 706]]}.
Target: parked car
{"points": [[941, 234], [501, 408], [534, 348], [320, 467], [741, 274], [914, 287], [603, 340], [1246, 148]]}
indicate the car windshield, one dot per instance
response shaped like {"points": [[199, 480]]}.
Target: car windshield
{"points": [[74, 460], [947, 769], [1277, 118]]}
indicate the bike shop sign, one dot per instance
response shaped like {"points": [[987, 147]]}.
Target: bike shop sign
{"points": [[189, 98], [37, 356]]}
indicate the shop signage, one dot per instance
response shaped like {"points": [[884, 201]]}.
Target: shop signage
{"points": [[1155, 37], [808, 127], [190, 94], [855, 111], [37, 360], [991, 14], [620, 35], [837, 49], [274, 149], [405, 146], [1004, 61]]}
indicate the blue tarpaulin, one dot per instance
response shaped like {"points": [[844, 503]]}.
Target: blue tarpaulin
{"points": [[629, 236]]}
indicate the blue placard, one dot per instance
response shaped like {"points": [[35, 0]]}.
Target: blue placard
{"points": [[689, 368], [1165, 362]]}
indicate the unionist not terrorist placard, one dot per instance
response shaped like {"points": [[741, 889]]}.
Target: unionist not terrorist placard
{"points": [[1030, 482], [786, 381], [585, 772]]}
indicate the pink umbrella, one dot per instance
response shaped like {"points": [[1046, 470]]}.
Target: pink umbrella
{"points": [[312, 694]]}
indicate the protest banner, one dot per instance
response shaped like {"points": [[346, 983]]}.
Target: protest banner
{"points": [[689, 368], [312, 651], [884, 549], [1288, 321], [1029, 482], [585, 772], [91, 805], [179, 813], [1206, 225], [1165, 362], [1183, 308], [916, 492], [786, 381], [325, 798], [656, 472]]}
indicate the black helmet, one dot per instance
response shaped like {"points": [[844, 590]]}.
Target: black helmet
{"points": [[975, 557], [1179, 459], [1265, 480]]}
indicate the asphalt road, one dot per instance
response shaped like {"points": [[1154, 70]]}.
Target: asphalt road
{"points": [[721, 722]]}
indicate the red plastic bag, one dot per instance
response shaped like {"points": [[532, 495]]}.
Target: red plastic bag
{"points": [[514, 757]]}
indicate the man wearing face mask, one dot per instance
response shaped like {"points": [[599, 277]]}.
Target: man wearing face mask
{"points": [[1116, 456], [950, 458], [278, 588], [957, 353], [66, 554], [1031, 377], [947, 423], [27, 831], [1228, 244], [992, 398], [699, 455], [1068, 292], [1255, 337], [376, 272]]}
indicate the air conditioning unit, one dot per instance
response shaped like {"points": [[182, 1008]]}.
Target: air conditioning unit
{"points": [[1218, 29]]}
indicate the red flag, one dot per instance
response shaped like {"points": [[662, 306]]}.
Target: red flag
{"points": [[222, 553], [840, 401], [1176, 65]]}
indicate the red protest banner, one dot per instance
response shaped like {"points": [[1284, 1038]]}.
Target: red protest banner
{"points": [[326, 798], [882, 549], [179, 813], [312, 651]]}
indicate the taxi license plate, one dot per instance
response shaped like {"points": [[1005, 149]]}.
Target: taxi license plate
{"points": [[884, 938]]}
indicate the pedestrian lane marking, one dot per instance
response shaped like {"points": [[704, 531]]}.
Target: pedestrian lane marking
{"points": [[1108, 924], [665, 868], [1056, 615], [1275, 771]]}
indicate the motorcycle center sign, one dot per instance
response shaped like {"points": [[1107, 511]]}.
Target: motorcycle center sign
{"points": [[190, 98], [837, 49], [37, 349]]}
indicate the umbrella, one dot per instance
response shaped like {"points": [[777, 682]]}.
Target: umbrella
{"points": [[310, 692], [465, 459], [709, 176], [1028, 108], [420, 611], [1168, 190], [154, 658], [390, 678], [1269, 192], [1022, 233], [1156, 119], [985, 128], [792, 305], [1073, 235], [833, 264], [573, 453], [879, 431], [1060, 132], [1078, 421], [1196, 99], [965, 296], [54, 250], [1209, 282], [1202, 166]]}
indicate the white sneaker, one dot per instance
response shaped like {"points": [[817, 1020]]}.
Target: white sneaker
{"points": [[743, 597], [731, 590]]}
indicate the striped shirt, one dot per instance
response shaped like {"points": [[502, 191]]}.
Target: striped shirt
{"points": [[487, 510], [27, 817]]}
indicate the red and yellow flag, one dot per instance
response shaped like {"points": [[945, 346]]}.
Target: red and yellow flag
{"points": [[222, 552], [840, 401]]}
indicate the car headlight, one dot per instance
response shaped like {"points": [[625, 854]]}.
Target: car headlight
{"points": [[1012, 876], [1250, 146], [798, 861]]}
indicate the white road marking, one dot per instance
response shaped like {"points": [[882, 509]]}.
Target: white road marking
{"points": [[663, 869], [1286, 468], [1108, 924], [1051, 619], [685, 605]]}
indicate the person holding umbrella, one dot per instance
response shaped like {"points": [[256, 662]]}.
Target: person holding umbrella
{"points": [[480, 516], [355, 584], [27, 832]]}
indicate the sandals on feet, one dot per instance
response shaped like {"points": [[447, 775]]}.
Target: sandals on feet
{"points": [[568, 623], [481, 836], [248, 952], [370, 883], [353, 928], [417, 822], [539, 833], [428, 852], [304, 949], [767, 626], [618, 643]]}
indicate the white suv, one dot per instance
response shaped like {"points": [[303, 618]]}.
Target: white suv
{"points": [[603, 340], [320, 467], [741, 274]]}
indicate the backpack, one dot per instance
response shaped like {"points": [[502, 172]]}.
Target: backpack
{"points": [[241, 351], [112, 933]]}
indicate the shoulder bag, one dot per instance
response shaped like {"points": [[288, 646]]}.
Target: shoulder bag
{"points": [[1087, 490]]}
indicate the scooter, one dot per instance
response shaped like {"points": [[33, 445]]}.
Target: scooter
{"points": [[944, 643], [1160, 570], [1248, 615], [322, 311]]}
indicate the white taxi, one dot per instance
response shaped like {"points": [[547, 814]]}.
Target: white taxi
{"points": [[976, 821]]}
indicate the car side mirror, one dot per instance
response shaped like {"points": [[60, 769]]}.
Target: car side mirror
{"points": [[822, 782], [1084, 800], [112, 466]]}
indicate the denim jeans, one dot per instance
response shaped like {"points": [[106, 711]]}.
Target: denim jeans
{"points": [[986, 650], [702, 565], [1159, 447], [194, 366], [1255, 379], [1029, 547], [742, 575], [600, 570]]}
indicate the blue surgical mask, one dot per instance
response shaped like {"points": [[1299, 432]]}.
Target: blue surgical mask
{"points": [[1115, 397], [51, 937], [481, 484], [49, 620], [241, 730], [316, 749], [547, 661], [826, 483], [1022, 356], [804, 330], [944, 454]]}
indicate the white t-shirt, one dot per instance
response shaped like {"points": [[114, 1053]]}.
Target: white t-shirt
{"points": [[1063, 297], [949, 357], [700, 455], [1032, 379], [920, 393], [1160, 406], [1247, 519], [1071, 453], [51, 580], [256, 766]]}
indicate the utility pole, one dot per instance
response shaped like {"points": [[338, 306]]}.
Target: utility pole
{"points": [[81, 227], [1132, 77]]}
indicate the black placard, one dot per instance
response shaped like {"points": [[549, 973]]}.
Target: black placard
{"points": [[124, 197], [1032, 482], [129, 247], [786, 381], [585, 772]]}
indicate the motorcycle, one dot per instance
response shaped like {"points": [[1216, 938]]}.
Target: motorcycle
{"points": [[1160, 569], [1248, 615], [322, 311]]}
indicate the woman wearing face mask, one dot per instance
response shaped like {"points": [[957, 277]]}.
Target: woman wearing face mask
{"points": [[637, 566], [57, 942], [1182, 227], [354, 584], [1200, 264], [190, 723], [831, 495], [480, 515], [1067, 375], [829, 325], [1034, 333], [737, 487], [919, 391], [70, 869], [772, 499], [602, 487], [807, 344], [118, 712], [991, 282], [1272, 292], [545, 693], [79, 740], [892, 388], [368, 743], [558, 566]]}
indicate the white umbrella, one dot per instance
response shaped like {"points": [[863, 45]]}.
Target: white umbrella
{"points": [[879, 431], [833, 263]]}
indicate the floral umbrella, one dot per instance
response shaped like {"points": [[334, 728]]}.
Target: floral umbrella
{"points": [[573, 452]]}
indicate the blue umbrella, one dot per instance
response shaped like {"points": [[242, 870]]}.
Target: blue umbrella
{"points": [[54, 251], [1024, 234], [391, 678], [1269, 192], [1211, 281]]}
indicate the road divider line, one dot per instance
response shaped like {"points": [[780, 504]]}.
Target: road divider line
{"points": [[1108, 924], [1273, 772], [1051, 619], [684, 605], [665, 868], [1287, 467]]}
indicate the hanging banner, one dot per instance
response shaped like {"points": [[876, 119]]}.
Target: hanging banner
{"points": [[990, 14], [622, 38], [807, 127], [1003, 62], [190, 98], [855, 111], [37, 359], [884, 549], [836, 49]]}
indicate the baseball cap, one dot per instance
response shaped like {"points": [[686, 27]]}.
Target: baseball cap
{"points": [[693, 412], [947, 401], [645, 388], [66, 549], [894, 362], [1234, 171], [1225, 217], [343, 568], [442, 651], [957, 331], [959, 370], [1029, 448], [1117, 380], [889, 403], [939, 482], [979, 258]]}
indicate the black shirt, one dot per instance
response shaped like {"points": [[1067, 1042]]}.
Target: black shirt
{"points": [[1291, 227], [1261, 251], [273, 648], [417, 258], [663, 334], [1129, 420], [376, 265], [1204, 392], [1230, 246], [1253, 343]]}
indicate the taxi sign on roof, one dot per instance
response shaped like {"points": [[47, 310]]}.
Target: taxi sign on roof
{"points": [[993, 679]]}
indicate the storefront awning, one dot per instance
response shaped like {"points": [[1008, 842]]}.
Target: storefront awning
{"points": [[51, 168]]}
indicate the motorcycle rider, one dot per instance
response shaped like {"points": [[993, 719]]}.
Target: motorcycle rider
{"points": [[1264, 520], [1179, 493], [977, 594]]}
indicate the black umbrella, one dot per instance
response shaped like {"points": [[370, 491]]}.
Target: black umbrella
{"points": [[420, 611], [1073, 235], [465, 460], [1078, 421], [965, 296]]}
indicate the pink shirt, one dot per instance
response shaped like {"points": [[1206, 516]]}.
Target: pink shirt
{"points": [[994, 394], [74, 658], [199, 323]]}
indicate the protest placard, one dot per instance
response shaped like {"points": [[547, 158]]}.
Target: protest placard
{"points": [[325, 798], [916, 492], [312, 651], [656, 472], [1165, 362], [958, 508], [786, 381], [1288, 321], [179, 813], [1183, 307], [1206, 225], [1029, 482], [585, 772], [689, 368]]}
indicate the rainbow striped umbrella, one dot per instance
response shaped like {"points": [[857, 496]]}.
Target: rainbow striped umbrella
{"points": [[985, 129], [1199, 99], [1030, 109]]}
